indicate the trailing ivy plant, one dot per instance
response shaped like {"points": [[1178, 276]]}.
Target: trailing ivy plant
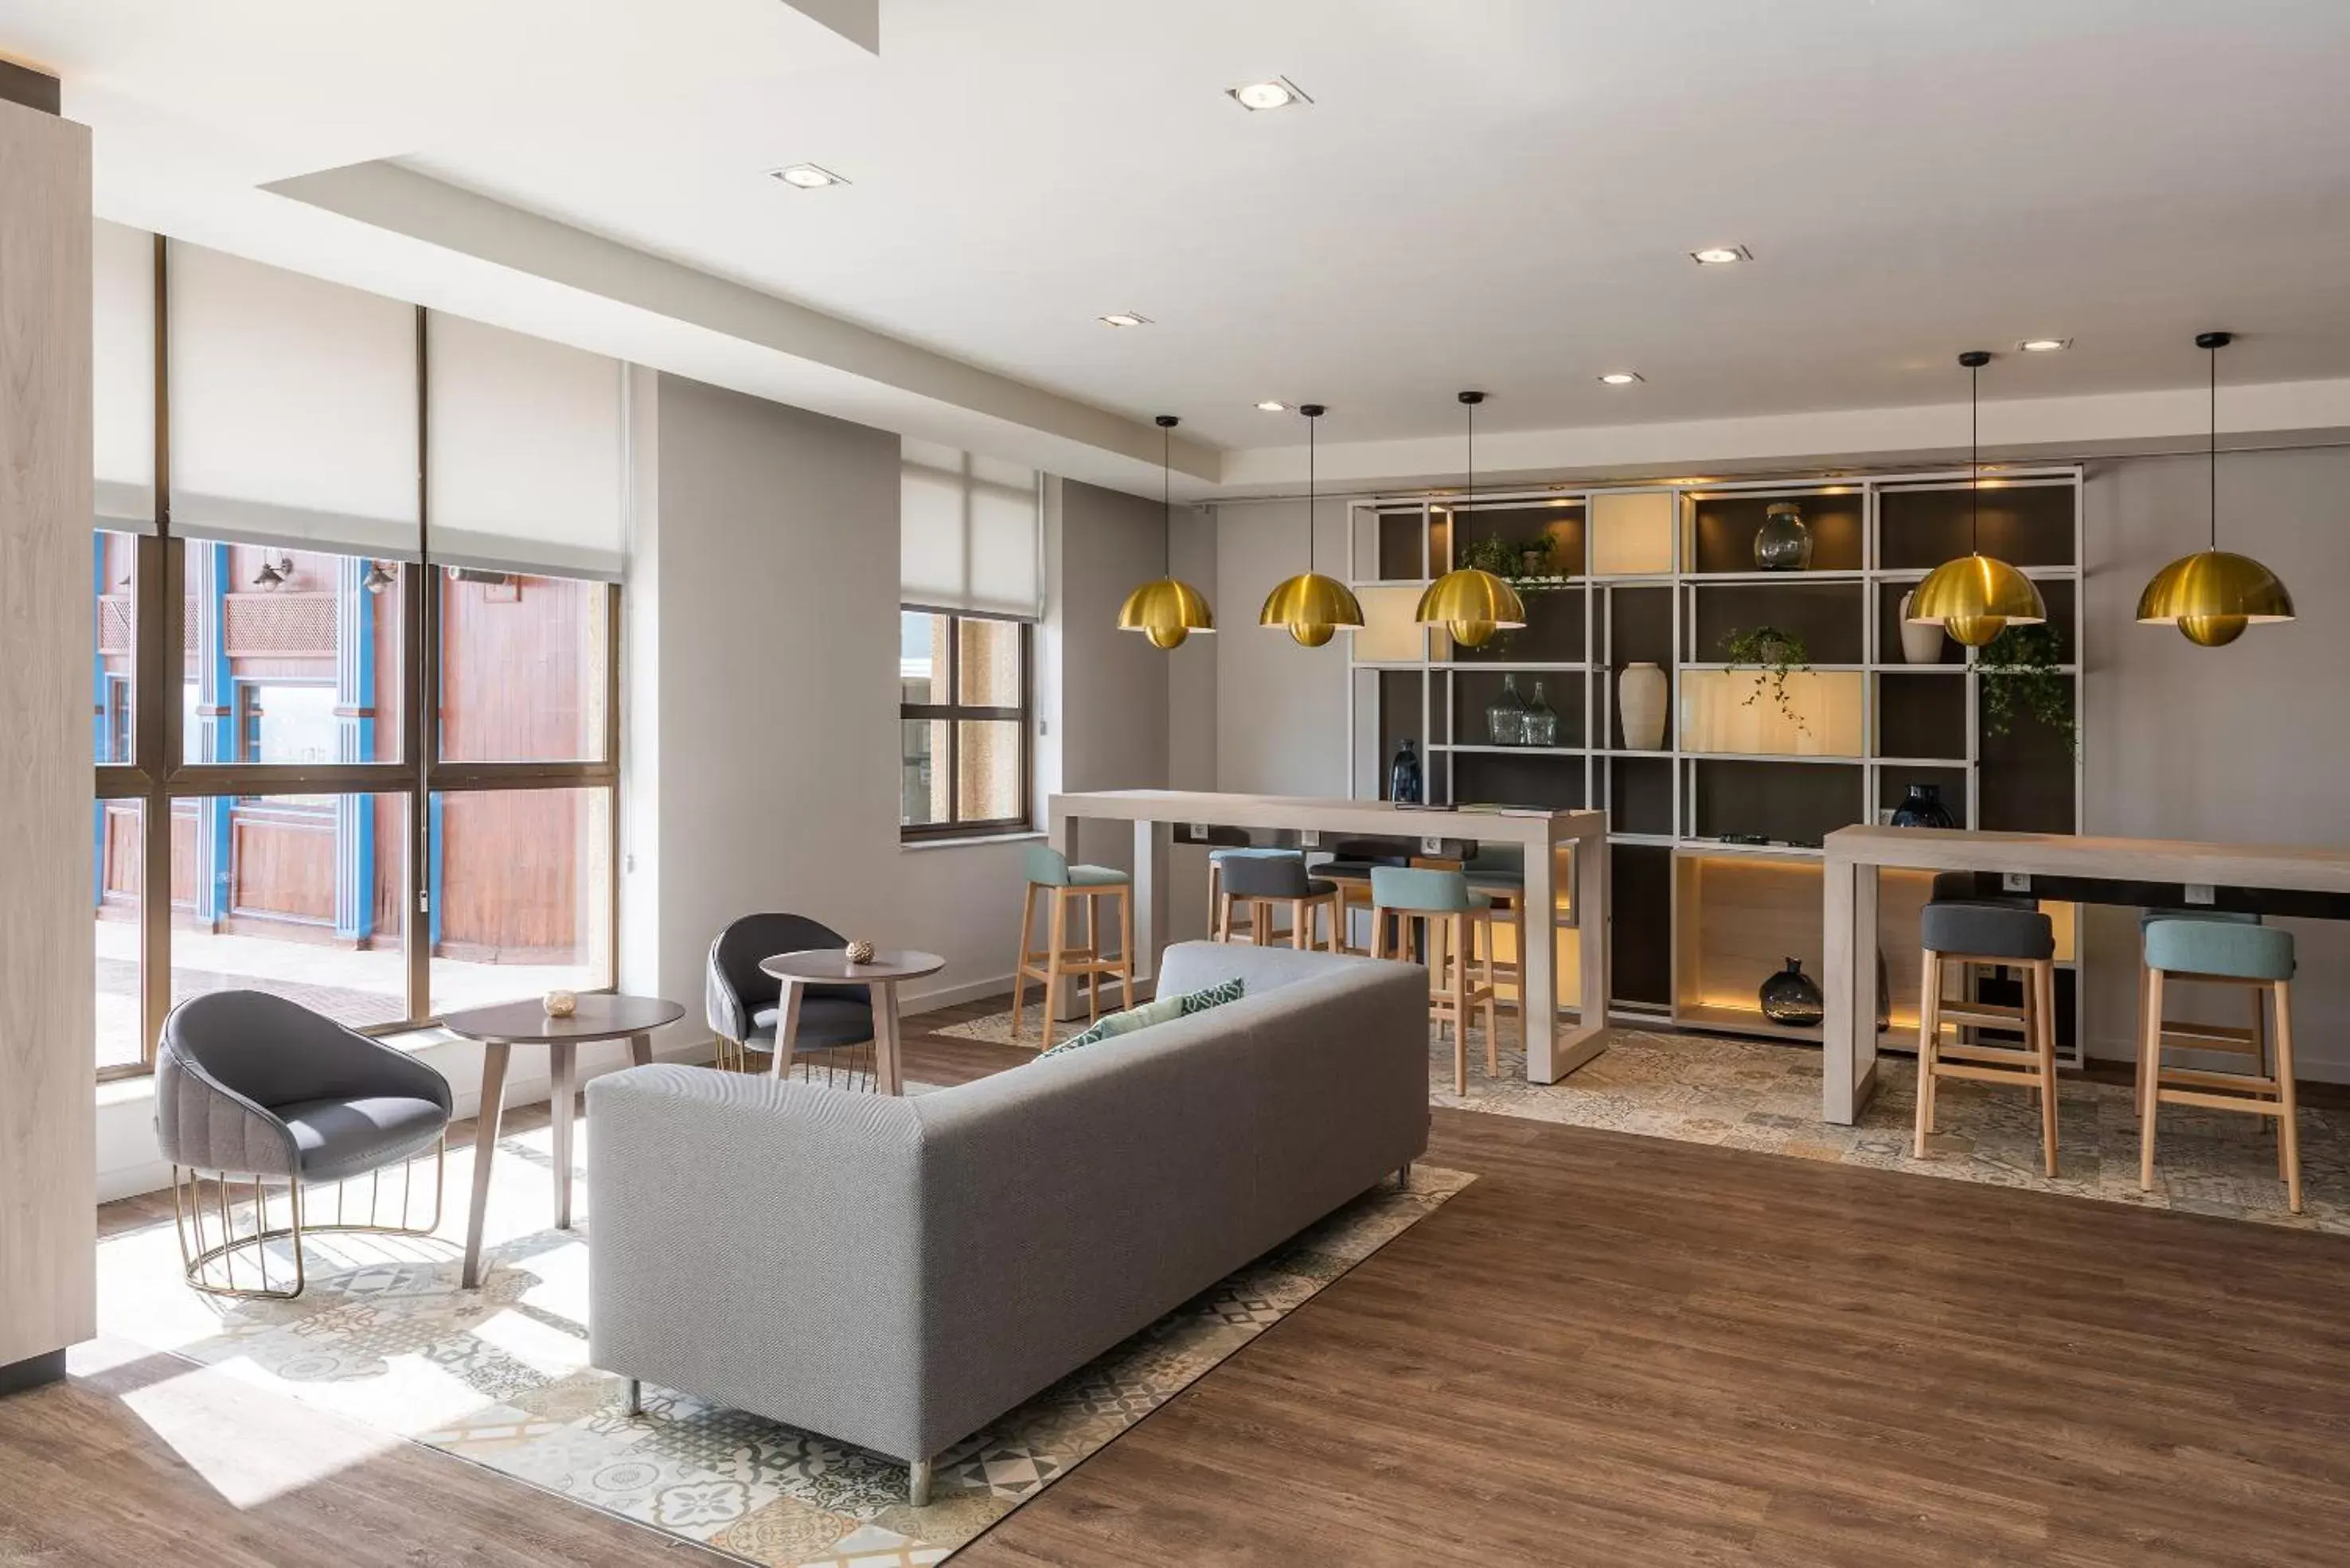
{"points": [[1507, 561], [2022, 671], [1776, 655]]}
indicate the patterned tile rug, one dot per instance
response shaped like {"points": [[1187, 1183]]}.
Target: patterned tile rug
{"points": [[500, 1376], [1756, 1095]]}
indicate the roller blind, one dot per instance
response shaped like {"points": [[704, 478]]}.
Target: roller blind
{"points": [[294, 412], [968, 532], [527, 466], [122, 375]]}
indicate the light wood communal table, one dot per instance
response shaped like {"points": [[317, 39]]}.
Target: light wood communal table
{"points": [[2146, 873], [602, 1016], [1552, 1053], [830, 966]]}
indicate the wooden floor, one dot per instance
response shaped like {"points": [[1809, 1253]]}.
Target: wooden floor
{"points": [[1610, 1351]]}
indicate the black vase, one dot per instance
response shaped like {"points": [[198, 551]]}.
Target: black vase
{"points": [[1403, 776], [1923, 807], [1790, 999]]}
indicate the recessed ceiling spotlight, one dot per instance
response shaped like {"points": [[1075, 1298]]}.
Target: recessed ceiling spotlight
{"points": [[1721, 256], [1272, 406], [1124, 318], [2045, 345], [806, 176], [1620, 378], [1278, 93]]}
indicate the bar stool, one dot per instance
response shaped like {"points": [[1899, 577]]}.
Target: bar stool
{"points": [[1349, 870], [1220, 927], [1261, 881], [2220, 952], [1453, 914], [1050, 873], [2180, 1035], [1504, 883], [2000, 935]]}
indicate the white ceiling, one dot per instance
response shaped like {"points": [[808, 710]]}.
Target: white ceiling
{"points": [[1495, 193]]}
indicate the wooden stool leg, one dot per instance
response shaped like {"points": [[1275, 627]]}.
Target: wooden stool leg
{"points": [[2288, 1124], [1219, 914], [1930, 1035], [1457, 939], [1485, 978], [1518, 934], [2145, 1075], [1020, 967], [1298, 929], [2149, 1053], [1126, 943], [1090, 906], [2042, 982], [1057, 933]]}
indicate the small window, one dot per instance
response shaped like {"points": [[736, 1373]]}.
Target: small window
{"points": [[962, 710]]}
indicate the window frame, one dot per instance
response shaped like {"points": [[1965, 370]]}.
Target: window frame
{"points": [[955, 713], [158, 775]]}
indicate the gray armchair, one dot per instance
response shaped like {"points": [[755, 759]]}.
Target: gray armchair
{"points": [[745, 1002], [253, 1088]]}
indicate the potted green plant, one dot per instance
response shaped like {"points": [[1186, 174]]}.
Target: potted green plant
{"points": [[1521, 565], [1775, 654], [2022, 671]]}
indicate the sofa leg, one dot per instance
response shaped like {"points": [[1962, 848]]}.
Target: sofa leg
{"points": [[918, 1484], [1403, 1176], [635, 1404]]}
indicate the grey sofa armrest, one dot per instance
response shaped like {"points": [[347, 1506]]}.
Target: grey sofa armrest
{"points": [[794, 1303], [201, 1123]]}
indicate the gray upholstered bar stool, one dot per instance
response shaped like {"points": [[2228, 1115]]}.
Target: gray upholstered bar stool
{"points": [[1998, 935], [1064, 956], [1261, 881], [1219, 905], [1453, 914], [2220, 952]]}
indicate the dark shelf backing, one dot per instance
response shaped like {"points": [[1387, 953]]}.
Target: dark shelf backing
{"points": [[1501, 778], [1795, 803], [1827, 616], [1920, 715], [2024, 526], [1641, 621], [2025, 777], [1724, 526], [1641, 900], [1399, 558], [1640, 795], [1399, 721], [1521, 524]]}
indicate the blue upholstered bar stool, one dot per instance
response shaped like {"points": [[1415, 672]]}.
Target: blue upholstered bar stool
{"points": [[2221, 952], [1348, 868], [1998, 935], [1261, 881], [1452, 914], [2179, 1035], [1064, 956], [1220, 901]]}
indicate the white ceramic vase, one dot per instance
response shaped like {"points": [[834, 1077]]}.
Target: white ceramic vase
{"points": [[1640, 693], [1919, 644]]}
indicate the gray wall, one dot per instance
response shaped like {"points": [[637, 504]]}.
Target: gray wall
{"points": [[2246, 744]]}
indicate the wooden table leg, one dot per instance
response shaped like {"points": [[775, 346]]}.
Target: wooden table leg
{"points": [[562, 1063], [787, 1030], [485, 1143], [640, 1050], [885, 1036]]}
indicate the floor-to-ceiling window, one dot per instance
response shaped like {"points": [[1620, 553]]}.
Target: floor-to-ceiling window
{"points": [[354, 672]]}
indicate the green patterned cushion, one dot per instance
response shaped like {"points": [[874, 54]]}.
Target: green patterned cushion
{"points": [[1162, 1010]]}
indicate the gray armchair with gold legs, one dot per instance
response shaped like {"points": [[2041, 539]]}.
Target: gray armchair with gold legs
{"points": [[744, 1002], [256, 1093]]}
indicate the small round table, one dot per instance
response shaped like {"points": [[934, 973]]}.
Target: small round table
{"points": [[830, 966], [602, 1016]]}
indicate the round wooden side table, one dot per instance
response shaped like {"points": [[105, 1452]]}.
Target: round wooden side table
{"points": [[830, 966]]}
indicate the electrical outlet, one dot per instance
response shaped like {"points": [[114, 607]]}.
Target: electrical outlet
{"points": [[1431, 847], [2015, 882], [1310, 838], [1198, 831], [2202, 893]]}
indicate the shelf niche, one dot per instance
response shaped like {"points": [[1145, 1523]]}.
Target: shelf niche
{"points": [[1737, 712], [1723, 529]]}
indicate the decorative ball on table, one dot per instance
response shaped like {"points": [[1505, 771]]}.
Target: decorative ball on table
{"points": [[560, 1004], [860, 952]]}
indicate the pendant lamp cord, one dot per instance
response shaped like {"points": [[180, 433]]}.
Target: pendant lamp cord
{"points": [[2213, 356], [1974, 459], [1167, 494], [1310, 422]]}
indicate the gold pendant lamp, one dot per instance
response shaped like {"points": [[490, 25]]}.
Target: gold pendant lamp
{"points": [[1469, 604], [1167, 609], [1976, 597], [2212, 595], [1310, 607]]}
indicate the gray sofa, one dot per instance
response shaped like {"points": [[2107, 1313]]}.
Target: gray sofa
{"points": [[897, 1272]]}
